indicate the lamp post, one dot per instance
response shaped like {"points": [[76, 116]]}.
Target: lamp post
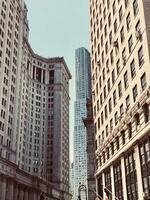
{"points": [[82, 188]]}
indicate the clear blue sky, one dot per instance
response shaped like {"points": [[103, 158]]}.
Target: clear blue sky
{"points": [[57, 28]]}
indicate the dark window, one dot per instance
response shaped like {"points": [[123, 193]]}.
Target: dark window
{"points": [[118, 180], [146, 112], [116, 118], [117, 143], [110, 105], [130, 44], [108, 182], [127, 102], [128, 21], [132, 68], [129, 130], [140, 56], [113, 76], [131, 177], [114, 98], [122, 34], [120, 14], [143, 81], [126, 80], [126, 2], [135, 93], [123, 137], [135, 7], [120, 90], [145, 165]]}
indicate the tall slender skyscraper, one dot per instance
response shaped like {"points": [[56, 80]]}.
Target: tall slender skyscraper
{"points": [[83, 91]]}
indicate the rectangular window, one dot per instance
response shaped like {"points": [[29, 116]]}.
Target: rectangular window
{"points": [[144, 148], [128, 21], [135, 7], [120, 90], [122, 34], [110, 105], [114, 97], [118, 180], [132, 68], [127, 102], [135, 93], [140, 56], [121, 110], [107, 174], [108, 84], [126, 80], [120, 14], [131, 177], [116, 118], [113, 76], [143, 81], [126, 2], [130, 44]]}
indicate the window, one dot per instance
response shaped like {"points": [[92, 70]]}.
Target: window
{"points": [[128, 21], [120, 90], [112, 148], [126, 2], [137, 121], [121, 110], [113, 76], [116, 118], [126, 80], [111, 57], [131, 177], [118, 66], [106, 130], [129, 130], [143, 81], [106, 115], [108, 84], [105, 92], [122, 34], [114, 7], [124, 56], [107, 174], [140, 56], [117, 143], [146, 112], [130, 44], [127, 102], [111, 125], [135, 93], [132, 68], [144, 148], [120, 14], [135, 7], [114, 98], [110, 37], [123, 137], [118, 179], [110, 105], [109, 20], [115, 26]]}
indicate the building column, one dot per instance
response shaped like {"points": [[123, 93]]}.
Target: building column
{"points": [[103, 182], [138, 172], [21, 193], [11, 189], [26, 195], [124, 188], [42, 76], [16, 191], [112, 182], [3, 192], [96, 184]]}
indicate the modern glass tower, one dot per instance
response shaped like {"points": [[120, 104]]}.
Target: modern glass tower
{"points": [[83, 91]]}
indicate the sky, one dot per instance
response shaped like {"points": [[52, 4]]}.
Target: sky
{"points": [[57, 28]]}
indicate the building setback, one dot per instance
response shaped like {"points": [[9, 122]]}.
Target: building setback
{"points": [[34, 108], [120, 57], [83, 91]]}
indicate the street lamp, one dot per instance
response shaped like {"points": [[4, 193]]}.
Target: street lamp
{"points": [[82, 188]]}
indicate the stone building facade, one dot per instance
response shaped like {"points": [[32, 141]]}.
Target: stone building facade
{"points": [[120, 41]]}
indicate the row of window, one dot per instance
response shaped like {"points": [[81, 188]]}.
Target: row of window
{"points": [[131, 174]]}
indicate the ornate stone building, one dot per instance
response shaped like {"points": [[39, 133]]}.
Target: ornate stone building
{"points": [[120, 57]]}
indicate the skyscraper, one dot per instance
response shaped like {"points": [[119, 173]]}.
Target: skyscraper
{"points": [[120, 54], [34, 108], [83, 91]]}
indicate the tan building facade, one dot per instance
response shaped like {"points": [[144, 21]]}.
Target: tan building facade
{"points": [[120, 38]]}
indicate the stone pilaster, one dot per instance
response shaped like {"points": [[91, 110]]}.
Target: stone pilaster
{"points": [[3, 192], [123, 178]]}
